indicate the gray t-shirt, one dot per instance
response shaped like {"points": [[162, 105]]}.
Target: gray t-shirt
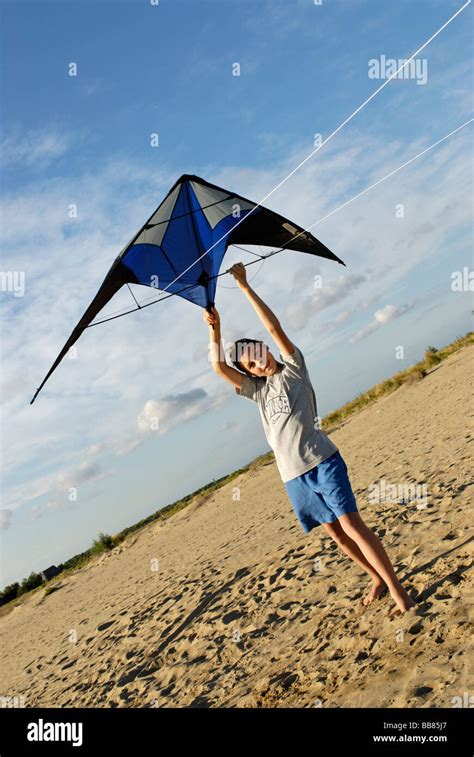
{"points": [[288, 409]]}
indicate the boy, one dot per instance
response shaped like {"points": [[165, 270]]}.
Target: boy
{"points": [[311, 466]]}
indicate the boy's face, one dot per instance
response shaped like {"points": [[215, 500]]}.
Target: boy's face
{"points": [[258, 360]]}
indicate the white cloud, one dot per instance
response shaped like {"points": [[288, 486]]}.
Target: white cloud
{"points": [[37, 148], [126, 448], [303, 308], [381, 317], [165, 414], [85, 472], [66, 486], [387, 313]]}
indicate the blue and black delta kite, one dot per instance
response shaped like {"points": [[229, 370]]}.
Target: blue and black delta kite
{"points": [[180, 249]]}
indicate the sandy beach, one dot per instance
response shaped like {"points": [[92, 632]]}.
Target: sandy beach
{"points": [[228, 603]]}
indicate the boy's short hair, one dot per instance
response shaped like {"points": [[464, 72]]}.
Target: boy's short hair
{"points": [[237, 351]]}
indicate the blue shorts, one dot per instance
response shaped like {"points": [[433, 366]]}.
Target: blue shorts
{"points": [[322, 494]]}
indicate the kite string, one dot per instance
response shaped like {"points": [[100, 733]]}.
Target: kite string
{"points": [[308, 157], [355, 197], [379, 181], [320, 220], [325, 141]]}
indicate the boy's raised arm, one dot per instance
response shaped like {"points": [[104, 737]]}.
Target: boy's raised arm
{"points": [[219, 364], [266, 315]]}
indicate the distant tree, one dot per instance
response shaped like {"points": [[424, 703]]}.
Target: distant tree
{"points": [[33, 580], [10, 592]]}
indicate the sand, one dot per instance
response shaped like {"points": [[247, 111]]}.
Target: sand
{"points": [[230, 604]]}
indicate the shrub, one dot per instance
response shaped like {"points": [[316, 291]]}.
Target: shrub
{"points": [[432, 357], [102, 543], [415, 375]]}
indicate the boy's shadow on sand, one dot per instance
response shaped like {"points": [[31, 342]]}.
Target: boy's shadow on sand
{"points": [[454, 577], [209, 599]]}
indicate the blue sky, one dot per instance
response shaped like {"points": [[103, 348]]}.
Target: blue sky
{"points": [[85, 140]]}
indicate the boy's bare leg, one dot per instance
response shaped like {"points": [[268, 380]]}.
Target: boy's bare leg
{"points": [[351, 549], [372, 549]]}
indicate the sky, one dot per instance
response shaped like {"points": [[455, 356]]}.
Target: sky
{"points": [[81, 459]]}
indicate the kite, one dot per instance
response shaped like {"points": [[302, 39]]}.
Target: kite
{"points": [[181, 247]]}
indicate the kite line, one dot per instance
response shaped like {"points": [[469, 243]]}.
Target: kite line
{"points": [[281, 249], [305, 160], [379, 181], [325, 141]]}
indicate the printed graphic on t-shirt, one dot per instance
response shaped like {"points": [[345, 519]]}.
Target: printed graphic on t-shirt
{"points": [[276, 407]]}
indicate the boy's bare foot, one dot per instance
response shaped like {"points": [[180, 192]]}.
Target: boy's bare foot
{"points": [[403, 601], [378, 588]]}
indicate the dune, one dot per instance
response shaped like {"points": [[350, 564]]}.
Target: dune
{"points": [[228, 603]]}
